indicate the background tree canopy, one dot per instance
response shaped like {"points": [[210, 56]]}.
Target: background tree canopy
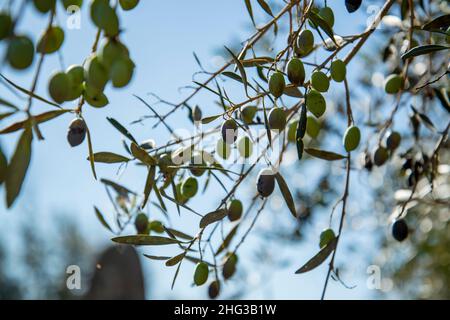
{"points": [[308, 129]]}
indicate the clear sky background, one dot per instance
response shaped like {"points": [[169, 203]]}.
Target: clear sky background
{"points": [[161, 36]]}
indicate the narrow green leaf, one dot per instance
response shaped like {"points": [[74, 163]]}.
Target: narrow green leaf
{"points": [[324, 155], [265, 7], [248, 5], [109, 157], [322, 24], [40, 118], [121, 129], [441, 22], [3, 166], [102, 219], [18, 166], [319, 258], [156, 257], [254, 62], [175, 260], [117, 187], [442, 95], [6, 115], [241, 70], [210, 119], [301, 127], [179, 234], [160, 199], [212, 217], [226, 242], [142, 155], [421, 50], [8, 104], [233, 76], [145, 240], [286, 194], [91, 152], [292, 91], [149, 185]]}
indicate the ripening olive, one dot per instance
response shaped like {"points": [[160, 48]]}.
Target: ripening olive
{"points": [[277, 84], [96, 73], [77, 132], [111, 51], [59, 87], [156, 226], [352, 5], [105, 17], [326, 13], [393, 140], [214, 289], [319, 81], [229, 131], [266, 182], [245, 147], [121, 72], [128, 4], [189, 187], [223, 149], [44, 6], [400, 230], [338, 70], [296, 71], [201, 273], [248, 113], [326, 237], [292, 130], [312, 127], [351, 139], [315, 103], [69, 3], [5, 25], [380, 156], [234, 210], [20, 52], [277, 119], [51, 40], [304, 43], [141, 223], [393, 83], [197, 161], [229, 267]]}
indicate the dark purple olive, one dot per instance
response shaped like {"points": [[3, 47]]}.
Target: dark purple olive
{"points": [[77, 132], [400, 230], [352, 5]]}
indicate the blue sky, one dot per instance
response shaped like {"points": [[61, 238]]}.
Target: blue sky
{"points": [[161, 36]]}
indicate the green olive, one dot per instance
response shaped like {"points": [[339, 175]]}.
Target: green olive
{"points": [[326, 13], [105, 17], [197, 161], [128, 4], [245, 147], [393, 84], [201, 273], [179, 197], [315, 103], [76, 132], [266, 182], [111, 51], [351, 138], [69, 3], [380, 156], [234, 210], [248, 113], [296, 71], [319, 81], [44, 6], [229, 131], [338, 70], [223, 149], [5, 25], [121, 72], [292, 130], [94, 97], [51, 40], [312, 127], [393, 140], [96, 73], [326, 237], [59, 87], [277, 119], [305, 43], [277, 84], [20, 52], [156, 226], [141, 223], [76, 76], [189, 187]]}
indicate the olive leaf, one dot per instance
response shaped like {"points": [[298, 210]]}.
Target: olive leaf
{"points": [[29, 93], [424, 119], [233, 76], [102, 219], [286, 193], [142, 155], [265, 7], [6, 115], [226, 242], [175, 260], [91, 152], [300, 148], [179, 234], [162, 258], [3, 166], [441, 22], [121, 129], [197, 260], [40, 118], [324, 155], [117, 187], [241, 70], [149, 185], [442, 95], [421, 50], [302, 121], [322, 24], [145, 240], [8, 104], [254, 62], [210, 119], [292, 91], [18, 166], [213, 217], [319, 258], [248, 5], [109, 157], [160, 199]]}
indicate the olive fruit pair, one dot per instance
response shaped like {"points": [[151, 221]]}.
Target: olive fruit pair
{"points": [[66, 86], [315, 103], [6, 24], [229, 131], [234, 210], [77, 132], [189, 187], [351, 139], [277, 84], [326, 237], [393, 84], [141, 223], [400, 230], [277, 119], [201, 273], [248, 113], [296, 71], [20, 52], [265, 182], [305, 43], [51, 40]]}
